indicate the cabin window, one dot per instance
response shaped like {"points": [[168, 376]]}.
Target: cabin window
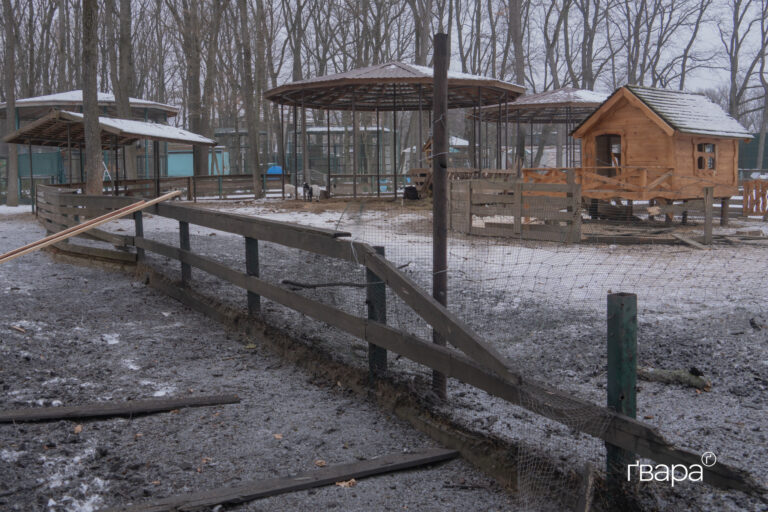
{"points": [[706, 158]]}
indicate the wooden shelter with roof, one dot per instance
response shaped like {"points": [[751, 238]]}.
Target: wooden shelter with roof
{"points": [[388, 87], [566, 106], [63, 129], [644, 143]]}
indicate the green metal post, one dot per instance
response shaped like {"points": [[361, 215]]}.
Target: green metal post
{"points": [[184, 244], [376, 299], [622, 374]]}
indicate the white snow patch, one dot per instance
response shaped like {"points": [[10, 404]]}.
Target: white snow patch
{"points": [[128, 363], [164, 390], [15, 210], [10, 455], [111, 339]]}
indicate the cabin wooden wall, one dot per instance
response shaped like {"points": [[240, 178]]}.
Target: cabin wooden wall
{"points": [[645, 144], [725, 179]]}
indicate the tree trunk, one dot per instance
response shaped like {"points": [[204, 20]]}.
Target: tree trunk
{"points": [[12, 174], [249, 99], [93, 158], [124, 85]]}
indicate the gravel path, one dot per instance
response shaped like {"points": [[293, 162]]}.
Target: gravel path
{"points": [[92, 334]]}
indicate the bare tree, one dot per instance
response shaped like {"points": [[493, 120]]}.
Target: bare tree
{"points": [[249, 98], [93, 159], [12, 174]]}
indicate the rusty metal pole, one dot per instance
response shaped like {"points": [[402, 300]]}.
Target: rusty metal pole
{"points": [[440, 191]]}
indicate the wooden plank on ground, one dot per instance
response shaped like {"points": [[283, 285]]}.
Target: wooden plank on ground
{"points": [[108, 409], [688, 241], [306, 480]]}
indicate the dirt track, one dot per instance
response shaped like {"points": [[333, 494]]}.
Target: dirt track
{"points": [[92, 335]]}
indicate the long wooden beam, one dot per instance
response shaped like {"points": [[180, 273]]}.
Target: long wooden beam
{"points": [[306, 480], [85, 226], [109, 409]]}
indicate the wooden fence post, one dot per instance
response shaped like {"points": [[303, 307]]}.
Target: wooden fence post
{"points": [[709, 193], [724, 210], [186, 269], [252, 269], [442, 57], [138, 222], [376, 299], [622, 375]]}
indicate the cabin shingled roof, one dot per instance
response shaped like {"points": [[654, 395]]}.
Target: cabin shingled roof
{"points": [[690, 112]]}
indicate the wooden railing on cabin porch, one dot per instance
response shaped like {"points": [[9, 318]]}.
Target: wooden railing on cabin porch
{"points": [[626, 182]]}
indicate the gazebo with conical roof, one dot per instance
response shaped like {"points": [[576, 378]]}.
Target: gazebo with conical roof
{"points": [[388, 87]]}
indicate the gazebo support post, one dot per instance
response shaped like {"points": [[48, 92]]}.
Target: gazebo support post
{"points": [[479, 134], [440, 193], [394, 141], [506, 130], [498, 139], [295, 166], [420, 149], [31, 178], [354, 150], [156, 162], [328, 137], [69, 154], [378, 156], [305, 172], [82, 166], [283, 165], [116, 181]]}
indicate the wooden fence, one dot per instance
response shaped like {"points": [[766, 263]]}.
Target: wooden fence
{"points": [[513, 208], [475, 363], [755, 197]]}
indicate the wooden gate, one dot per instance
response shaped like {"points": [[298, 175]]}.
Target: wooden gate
{"points": [[529, 211]]}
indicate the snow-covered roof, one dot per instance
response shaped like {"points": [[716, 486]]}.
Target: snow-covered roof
{"points": [[690, 113], [76, 98], [391, 86], [564, 96], [59, 126], [145, 130]]}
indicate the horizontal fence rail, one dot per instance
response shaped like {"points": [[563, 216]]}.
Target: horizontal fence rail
{"points": [[475, 363]]}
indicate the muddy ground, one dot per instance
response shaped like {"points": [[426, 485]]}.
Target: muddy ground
{"points": [[91, 334], [542, 305]]}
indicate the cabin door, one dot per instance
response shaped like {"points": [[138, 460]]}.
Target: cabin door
{"points": [[608, 153]]}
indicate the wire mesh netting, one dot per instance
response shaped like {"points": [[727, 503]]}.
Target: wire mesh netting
{"points": [[541, 304]]}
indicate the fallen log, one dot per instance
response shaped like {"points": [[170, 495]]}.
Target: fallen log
{"points": [[681, 377], [107, 409]]}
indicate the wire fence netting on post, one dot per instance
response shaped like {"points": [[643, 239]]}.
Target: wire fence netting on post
{"points": [[529, 270]]}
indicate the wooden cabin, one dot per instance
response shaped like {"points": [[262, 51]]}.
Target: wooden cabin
{"points": [[644, 143]]}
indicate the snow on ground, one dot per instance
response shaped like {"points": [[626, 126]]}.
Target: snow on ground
{"points": [[543, 305], [15, 210]]}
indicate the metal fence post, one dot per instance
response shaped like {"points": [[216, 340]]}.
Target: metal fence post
{"points": [[252, 269], [622, 374], [138, 221], [376, 299], [186, 269]]}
